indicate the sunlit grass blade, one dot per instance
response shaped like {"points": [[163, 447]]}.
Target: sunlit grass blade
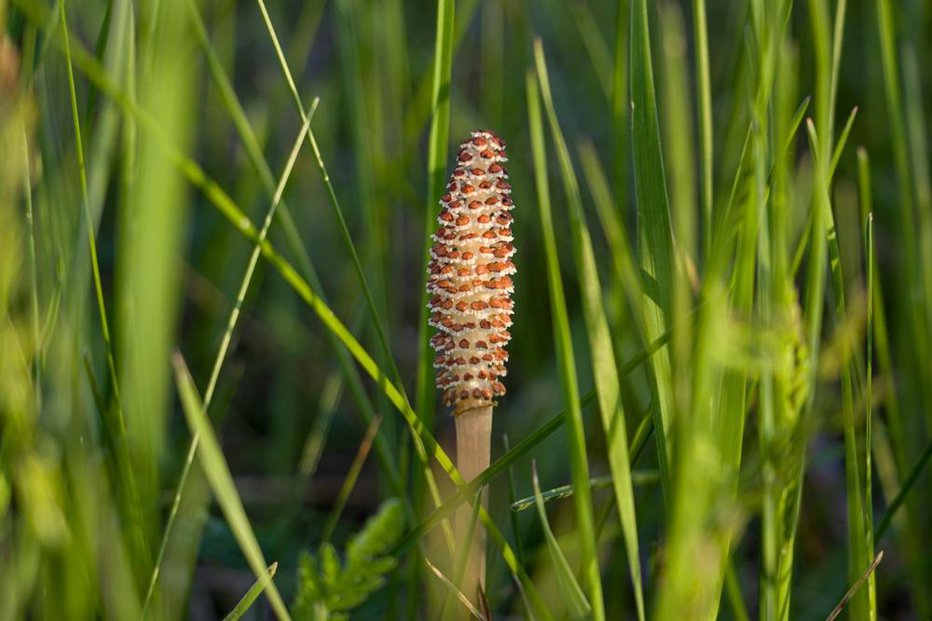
{"points": [[452, 588], [679, 150], [608, 388], [243, 606], [655, 241], [221, 482], [579, 465]]}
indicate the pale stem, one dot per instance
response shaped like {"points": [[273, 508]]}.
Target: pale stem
{"points": [[473, 443]]}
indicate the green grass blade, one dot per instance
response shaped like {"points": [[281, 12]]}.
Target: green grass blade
{"points": [[221, 482], [349, 482], [859, 556], [590, 33], [33, 277], [578, 607], [438, 141], [579, 465], [608, 388], [655, 241], [842, 141], [240, 121], [228, 208], [900, 143], [436, 167], [909, 483], [292, 237], [704, 98], [92, 244], [459, 567], [512, 517], [243, 606], [922, 185], [397, 386], [626, 273], [868, 416], [638, 477], [377, 321], [522, 448], [621, 132]]}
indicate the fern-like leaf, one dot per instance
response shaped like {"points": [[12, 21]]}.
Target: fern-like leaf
{"points": [[327, 588]]}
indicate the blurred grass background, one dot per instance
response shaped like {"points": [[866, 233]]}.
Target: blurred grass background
{"points": [[732, 246]]}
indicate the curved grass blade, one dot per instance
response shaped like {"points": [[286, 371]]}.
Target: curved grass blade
{"points": [[243, 606], [842, 140], [638, 477], [909, 483], [572, 593], [221, 482]]}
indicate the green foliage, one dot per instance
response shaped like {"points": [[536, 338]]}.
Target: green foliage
{"points": [[753, 309], [328, 588]]}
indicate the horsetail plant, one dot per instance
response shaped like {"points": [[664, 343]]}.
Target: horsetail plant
{"points": [[470, 289]]}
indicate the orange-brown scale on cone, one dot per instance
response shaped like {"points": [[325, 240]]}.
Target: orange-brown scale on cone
{"points": [[470, 276]]}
